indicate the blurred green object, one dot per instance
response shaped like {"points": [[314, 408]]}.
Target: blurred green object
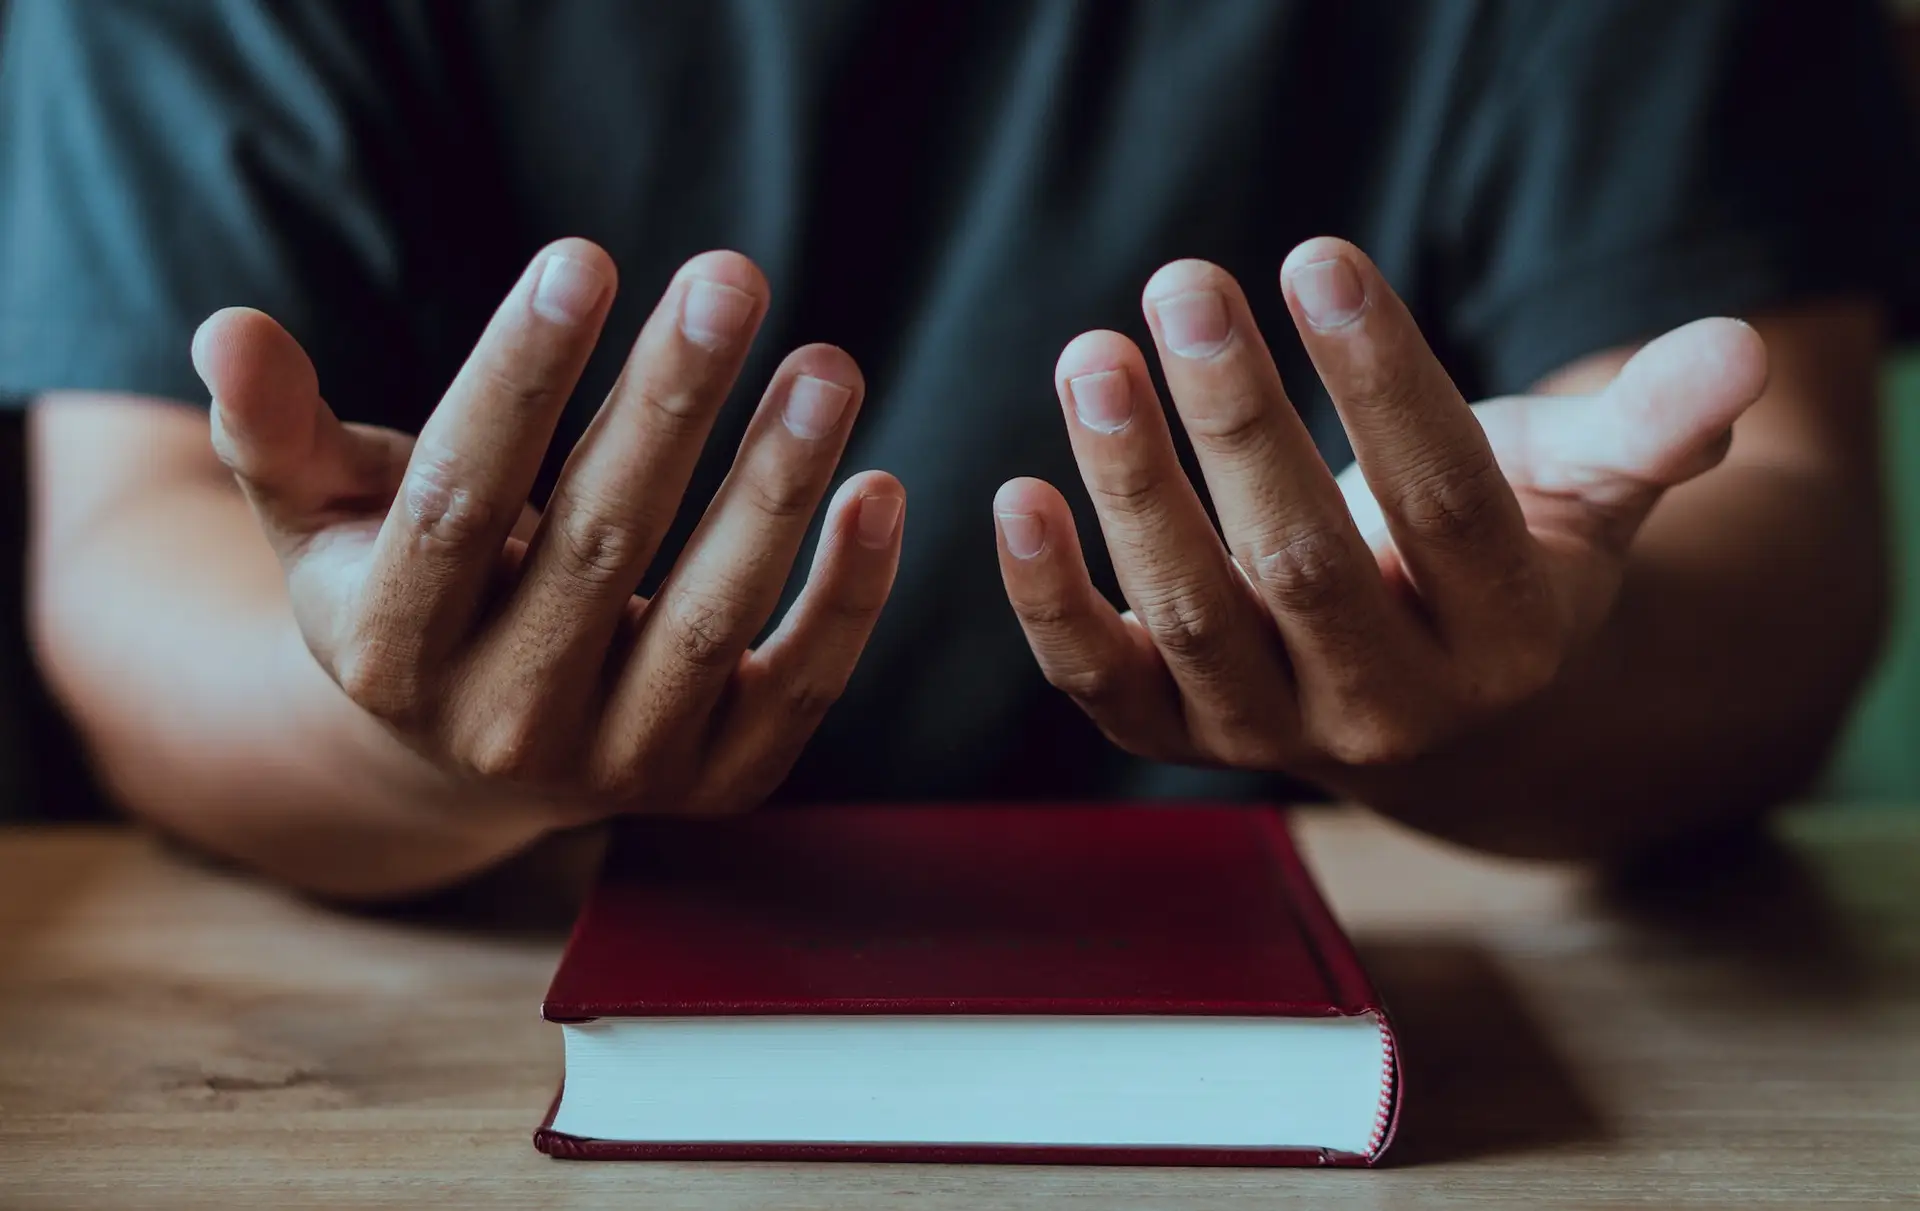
{"points": [[1879, 755]]}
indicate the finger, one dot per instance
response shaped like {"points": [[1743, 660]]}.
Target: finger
{"points": [[1452, 515], [477, 456], [1108, 666], [729, 577], [1217, 641], [1278, 505], [786, 685], [526, 524], [1666, 417], [291, 455], [623, 483]]}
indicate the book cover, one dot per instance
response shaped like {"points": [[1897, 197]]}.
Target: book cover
{"points": [[959, 913]]}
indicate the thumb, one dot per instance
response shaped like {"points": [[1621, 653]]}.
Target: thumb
{"points": [[1599, 464], [1664, 418], [291, 454], [1667, 417]]}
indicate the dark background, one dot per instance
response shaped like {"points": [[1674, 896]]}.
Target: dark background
{"points": [[42, 772]]}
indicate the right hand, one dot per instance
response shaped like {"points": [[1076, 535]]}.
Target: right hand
{"points": [[530, 670]]}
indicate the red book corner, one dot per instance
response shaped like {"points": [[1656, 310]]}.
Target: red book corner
{"points": [[913, 916]]}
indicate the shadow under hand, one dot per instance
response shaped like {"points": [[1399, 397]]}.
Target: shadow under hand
{"points": [[533, 896], [1749, 909], [1480, 1077]]}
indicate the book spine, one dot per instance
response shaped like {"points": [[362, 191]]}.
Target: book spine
{"points": [[1383, 1115]]}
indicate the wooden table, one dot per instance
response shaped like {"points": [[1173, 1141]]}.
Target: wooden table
{"points": [[1740, 1031]]}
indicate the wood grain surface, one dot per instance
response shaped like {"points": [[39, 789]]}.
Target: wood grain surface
{"points": [[1738, 1029]]}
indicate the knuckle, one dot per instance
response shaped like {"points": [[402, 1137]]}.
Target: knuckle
{"points": [[1385, 384], [807, 697], [440, 508], [745, 786], [614, 781], [1311, 573], [1187, 623], [1455, 502], [594, 549], [1519, 653], [646, 776], [671, 406], [1046, 614], [749, 790], [855, 615], [701, 631], [1231, 422], [519, 390], [1373, 742], [1242, 733], [1241, 747], [1525, 668], [380, 683], [783, 491], [644, 781], [509, 751], [1127, 489], [1090, 684], [1535, 670]]}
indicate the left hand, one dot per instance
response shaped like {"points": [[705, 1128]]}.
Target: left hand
{"points": [[1358, 621]]}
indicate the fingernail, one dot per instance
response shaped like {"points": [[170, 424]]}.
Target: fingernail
{"points": [[568, 290], [1329, 292], [1103, 401], [879, 516], [1025, 534], [814, 406], [713, 313], [1194, 324]]}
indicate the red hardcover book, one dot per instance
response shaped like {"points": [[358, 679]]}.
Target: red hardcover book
{"points": [[1057, 984]]}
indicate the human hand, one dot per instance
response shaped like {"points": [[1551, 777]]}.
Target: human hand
{"points": [[1357, 622], [526, 668]]}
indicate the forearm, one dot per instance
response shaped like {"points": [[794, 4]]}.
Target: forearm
{"points": [[1751, 611], [163, 626]]}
